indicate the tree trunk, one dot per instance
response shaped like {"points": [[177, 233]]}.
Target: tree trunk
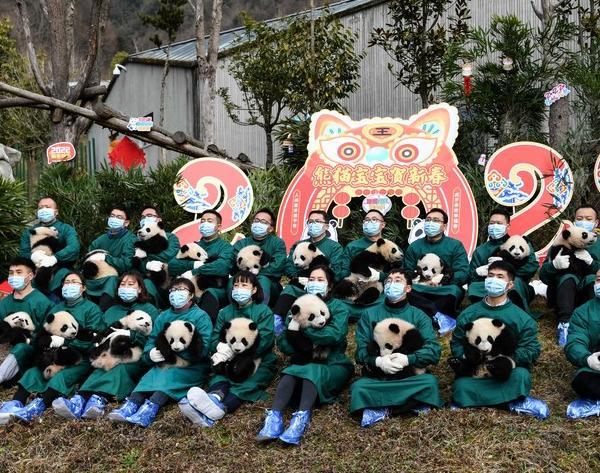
{"points": [[424, 98], [269, 135], [558, 122], [162, 157]]}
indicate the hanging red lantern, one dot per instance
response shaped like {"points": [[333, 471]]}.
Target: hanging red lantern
{"points": [[410, 212]]}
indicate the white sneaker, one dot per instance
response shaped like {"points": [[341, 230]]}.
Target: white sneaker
{"points": [[207, 404]]}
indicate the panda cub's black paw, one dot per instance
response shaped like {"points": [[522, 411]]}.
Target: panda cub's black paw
{"points": [[501, 367], [459, 367]]}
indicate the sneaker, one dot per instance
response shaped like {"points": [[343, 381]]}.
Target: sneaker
{"points": [[94, 408], [198, 419], [561, 333], [69, 408], [145, 415], [272, 426], [298, 425], [372, 416], [530, 406], [207, 403], [445, 323], [32, 410], [582, 408], [122, 413]]}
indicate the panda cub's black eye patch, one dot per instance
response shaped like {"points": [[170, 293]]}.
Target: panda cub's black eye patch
{"points": [[477, 340], [311, 317], [388, 346], [182, 340], [232, 340], [302, 257], [490, 339], [244, 341], [64, 328], [394, 250]]}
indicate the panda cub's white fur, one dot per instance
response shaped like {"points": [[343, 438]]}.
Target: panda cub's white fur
{"points": [[243, 337], [252, 258], [138, 321], [94, 266], [307, 311], [304, 254], [43, 242], [431, 270], [175, 338]]}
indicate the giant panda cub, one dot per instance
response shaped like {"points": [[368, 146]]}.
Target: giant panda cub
{"points": [[242, 336], [307, 311], [177, 337], [393, 335], [252, 258], [43, 242], [306, 256], [515, 250], [16, 328], [95, 267], [571, 240], [152, 240], [431, 269], [52, 360], [189, 252], [489, 348], [380, 256]]}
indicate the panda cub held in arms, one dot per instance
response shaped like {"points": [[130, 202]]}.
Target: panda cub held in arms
{"points": [[431, 270], [357, 288], [242, 336], [306, 256], [308, 311], [16, 328], [515, 250], [175, 338], [44, 242], [573, 241], [94, 266], [50, 360], [111, 351], [152, 240], [393, 335], [188, 252], [252, 258], [489, 348]]}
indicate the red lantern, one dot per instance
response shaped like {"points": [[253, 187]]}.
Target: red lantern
{"points": [[410, 212], [341, 212], [412, 198]]}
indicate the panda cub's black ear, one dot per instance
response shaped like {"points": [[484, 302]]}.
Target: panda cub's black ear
{"points": [[227, 325], [469, 326], [312, 247], [394, 328], [373, 324], [160, 224], [189, 326], [380, 242], [167, 325], [252, 326], [184, 249], [50, 318], [295, 309], [497, 323], [256, 253], [32, 231]]}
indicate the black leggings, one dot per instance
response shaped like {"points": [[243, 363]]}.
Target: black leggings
{"points": [[568, 298], [47, 396], [290, 385], [229, 400], [587, 385], [284, 304], [210, 304], [157, 397]]}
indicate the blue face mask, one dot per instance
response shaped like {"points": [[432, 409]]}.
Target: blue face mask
{"points": [[371, 228], [207, 229], [315, 229], [259, 230], [496, 230], [316, 287], [432, 228], [127, 294], [45, 214], [115, 223], [495, 287], [16, 282], [146, 220], [586, 225], [70, 292], [241, 295], [179, 298], [597, 289], [394, 291]]}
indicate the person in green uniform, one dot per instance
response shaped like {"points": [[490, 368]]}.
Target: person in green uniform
{"points": [[512, 394], [152, 262], [224, 396], [220, 255], [263, 235], [88, 315], [379, 398], [47, 216], [164, 383], [118, 243], [316, 382], [333, 251], [498, 227], [118, 382], [24, 298], [447, 298], [583, 350], [567, 291]]}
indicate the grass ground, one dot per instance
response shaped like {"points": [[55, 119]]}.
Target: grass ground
{"points": [[482, 440]]}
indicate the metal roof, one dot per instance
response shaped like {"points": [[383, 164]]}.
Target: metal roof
{"points": [[183, 53]]}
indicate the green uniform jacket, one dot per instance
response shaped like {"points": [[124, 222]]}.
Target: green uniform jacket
{"points": [[65, 257], [469, 392], [174, 381], [331, 376], [584, 335], [549, 274], [369, 392], [332, 251], [119, 247], [452, 252], [523, 275], [120, 381], [88, 315], [38, 306], [253, 389]]}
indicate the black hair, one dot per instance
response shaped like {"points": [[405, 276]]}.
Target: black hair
{"points": [[404, 272], [501, 211], [328, 274], [437, 209], [213, 212], [585, 205], [247, 276], [265, 210], [153, 207], [123, 209], [322, 213], [22, 261], [503, 266], [76, 273], [186, 282], [377, 212]]}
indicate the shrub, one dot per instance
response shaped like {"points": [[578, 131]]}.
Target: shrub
{"points": [[13, 215]]}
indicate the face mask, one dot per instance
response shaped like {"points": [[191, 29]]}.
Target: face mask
{"points": [[70, 292], [207, 229], [371, 228], [115, 223], [179, 298], [495, 287], [127, 294], [432, 228], [241, 295], [259, 230], [586, 225], [394, 291], [315, 229], [146, 220], [597, 289], [316, 287], [45, 214], [496, 230], [17, 282]]}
